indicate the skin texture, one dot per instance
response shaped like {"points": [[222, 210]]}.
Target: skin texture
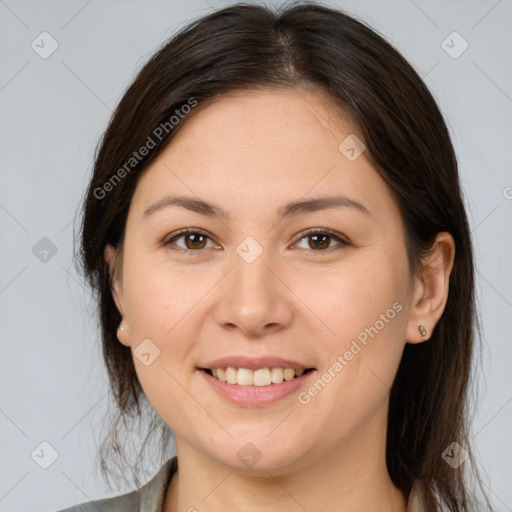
{"points": [[251, 152]]}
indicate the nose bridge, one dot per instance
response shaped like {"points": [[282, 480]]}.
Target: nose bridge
{"points": [[253, 298], [252, 281]]}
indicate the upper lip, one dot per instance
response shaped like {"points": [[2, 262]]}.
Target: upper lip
{"points": [[253, 363]]}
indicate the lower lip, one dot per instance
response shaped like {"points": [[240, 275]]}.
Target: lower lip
{"points": [[256, 396]]}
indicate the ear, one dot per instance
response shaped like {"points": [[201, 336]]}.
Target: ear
{"points": [[123, 334], [430, 291]]}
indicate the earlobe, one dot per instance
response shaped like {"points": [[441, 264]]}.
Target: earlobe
{"points": [[431, 291], [123, 335]]}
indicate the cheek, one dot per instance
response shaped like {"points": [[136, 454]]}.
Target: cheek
{"points": [[365, 291], [159, 297], [366, 308], [160, 304]]}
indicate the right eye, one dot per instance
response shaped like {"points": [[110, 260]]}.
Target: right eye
{"points": [[195, 240]]}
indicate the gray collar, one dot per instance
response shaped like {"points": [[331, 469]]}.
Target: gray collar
{"points": [[152, 494]]}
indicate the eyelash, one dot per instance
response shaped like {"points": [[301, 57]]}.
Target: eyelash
{"points": [[343, 241]]}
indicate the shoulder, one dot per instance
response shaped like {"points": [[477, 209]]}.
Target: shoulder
{"points": [[129, 502], [149, 498]]}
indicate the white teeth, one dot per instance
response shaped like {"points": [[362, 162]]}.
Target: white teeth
{"points": [[277, 375], [259, 377], [289, 374], [244, 377], [231, 375]]}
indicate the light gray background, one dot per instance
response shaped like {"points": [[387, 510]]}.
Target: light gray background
{"points": [[53, 112]]}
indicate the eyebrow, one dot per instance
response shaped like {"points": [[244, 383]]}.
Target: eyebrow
{"points": [[288, 210]]}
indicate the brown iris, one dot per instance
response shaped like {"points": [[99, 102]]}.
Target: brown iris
{"points": [[325, 241], [197, 238]]}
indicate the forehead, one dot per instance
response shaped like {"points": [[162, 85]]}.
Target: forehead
{"points": [[268, 145], [270, 116]]}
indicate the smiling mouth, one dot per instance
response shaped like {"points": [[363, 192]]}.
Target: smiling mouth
{"points": [[260, 377]]}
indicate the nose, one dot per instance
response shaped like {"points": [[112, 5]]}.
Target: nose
{"points": [[254, 299]]}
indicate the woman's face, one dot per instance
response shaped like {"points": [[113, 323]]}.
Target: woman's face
{"points": [[252, 285]]}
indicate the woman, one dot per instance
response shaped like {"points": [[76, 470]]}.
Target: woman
{"points": [[284, 268]]}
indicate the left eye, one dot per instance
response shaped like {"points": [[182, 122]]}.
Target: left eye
{"points": [[322, 238], [196, 240]]}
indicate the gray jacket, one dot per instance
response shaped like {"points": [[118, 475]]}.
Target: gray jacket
{"points": [[150, 497]]}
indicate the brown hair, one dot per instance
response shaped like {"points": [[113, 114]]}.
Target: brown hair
{"points": [[407, 142]]}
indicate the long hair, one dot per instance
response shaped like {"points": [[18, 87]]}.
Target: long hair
{"points": [[310, 46]]}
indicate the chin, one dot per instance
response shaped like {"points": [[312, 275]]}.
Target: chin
{"points": [[261, 457]]}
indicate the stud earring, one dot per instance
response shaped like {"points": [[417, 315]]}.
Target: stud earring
{"points": [[121, 328], [422, 330]]}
